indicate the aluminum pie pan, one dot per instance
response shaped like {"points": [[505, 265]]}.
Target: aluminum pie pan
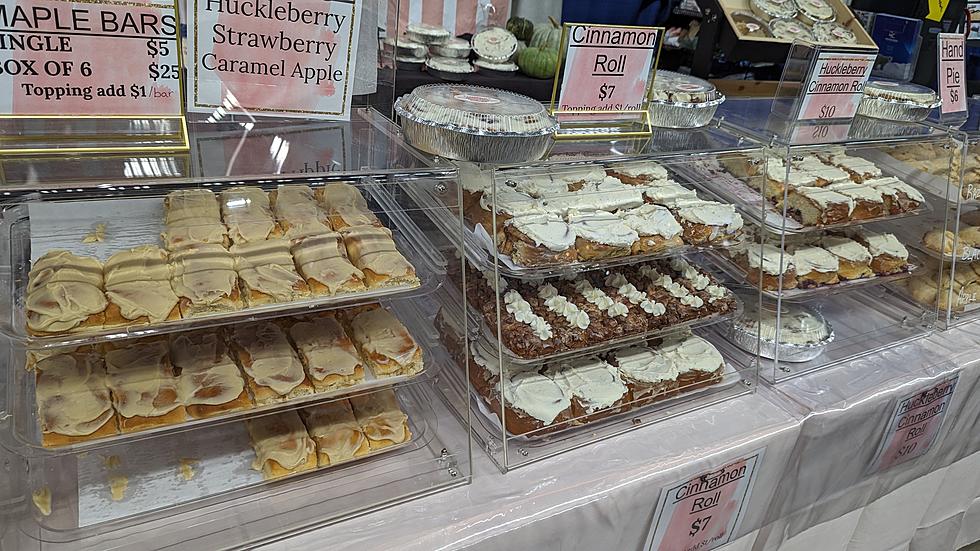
{"points": [[665, 114], [760, 10], [454, 48], [407, 48], [427, 34], [810, 19], [895, 110], [462, 144], [793, 353]]}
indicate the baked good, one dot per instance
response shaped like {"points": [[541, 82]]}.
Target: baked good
{"points": [[298, 212], [768, 266], [854, 260], [500, 203], [823, 174], [144, 385], [781, 179], [372, 250], [266, 273], [814, 266], [698, 362], [381, 419], [192, 217], [327, 353], [73, 403], [707, 221], [282, 445], [273, 371], [322, 261], [868, 201], [595, 386], [543, 186], [600, 235], [209, 382], [540, 240], [384, 343], [888, 255], [639, 173], [609, 195], [833, 33], [648, 374], [345, 206], [859, 168], [335, 430], [814, 206], [64, 294], [137, 284], [667, 193], [941, 242], [969, 236], [971, 217], [899, 197], [247, 214], [656, 227], [815, 11], [532, 403], [576, 179], [205, 280]]}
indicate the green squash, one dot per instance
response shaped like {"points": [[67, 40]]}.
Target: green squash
{"points": [[538, 62], [521, 46], [546, 35], [521, 28]]}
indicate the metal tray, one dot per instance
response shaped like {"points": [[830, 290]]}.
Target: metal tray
{"points": [[735, 271], [15, 252], [764, 214], [23, 432]]}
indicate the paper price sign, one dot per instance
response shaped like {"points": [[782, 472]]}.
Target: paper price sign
{"points": [[606, 70], [274, 57], [834, 86], [914, 425], [952, 72], [98, 57], [703, 512]]}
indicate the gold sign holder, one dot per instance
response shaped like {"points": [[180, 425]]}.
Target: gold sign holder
{"points": [[603, 124]]}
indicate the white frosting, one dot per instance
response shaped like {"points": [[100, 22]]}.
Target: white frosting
{"points": [[473, 179], [697, 279], [595, 383], [602, 227], [521, 311], [857, 165], [885, 243], [645, 365], [590, 175], [776, 171], [676, 290], [510, 201], [601, 300], [772, 260], [650, 220], [610, 195], [647, 171], [693, 353], [536, 395], [540, 185], [563, 307], [668, 193], [715, 292], [847, 249], [546, 230], [634, 295], [858, 192], [892, 186], [562, 204], [814, 166], [810, 258], [824, 197]]}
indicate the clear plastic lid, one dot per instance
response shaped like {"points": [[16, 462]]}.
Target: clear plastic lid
{"points": [[774, 8], [817, 10], [747, 24], [790, 29], [428, 31], [906, 92], [449, 64], [508, 67], [833, 33], [495, 44], [455, 46], [476, 110], [405, 47], [798, 324], [676, 88]]}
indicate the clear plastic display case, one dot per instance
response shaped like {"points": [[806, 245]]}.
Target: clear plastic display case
{"points": [[848, 230], [229, 354], [593, 304]]}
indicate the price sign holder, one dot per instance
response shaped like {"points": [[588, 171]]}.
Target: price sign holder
{"points": [[103, 76], [819, 92], [951, 68], [703, 512], [604, 79]]}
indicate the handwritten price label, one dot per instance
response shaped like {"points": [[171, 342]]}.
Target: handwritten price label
{"points": [[100, 57], [952, 72], [702, 513], [914, 425], [835, 85]]}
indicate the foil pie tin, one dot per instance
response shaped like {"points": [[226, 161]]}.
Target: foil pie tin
{"points": [[876, 104], [452, 69], [753, 24], [790, 29], [494, 44], [426, 34], [833, 33], [743, 335], [501, 69], [474, 123], [772, 9], [669, 112], [404, 47], [455, 48], [807, 11]]}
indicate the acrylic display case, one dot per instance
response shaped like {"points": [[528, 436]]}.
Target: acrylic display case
{"points": [[847, 227], [592, 303], [229, 354]]}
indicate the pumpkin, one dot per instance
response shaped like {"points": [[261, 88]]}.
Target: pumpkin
{"points": [[546, 35], [520, 27], [538, 62], [521, 46]]}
